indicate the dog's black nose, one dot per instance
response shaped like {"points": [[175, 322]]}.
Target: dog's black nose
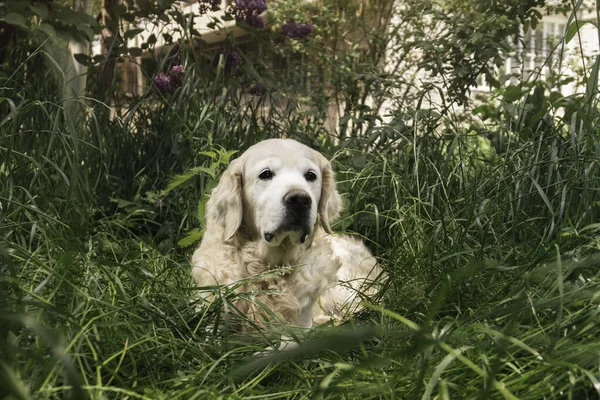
{"points": [[297, 200]]}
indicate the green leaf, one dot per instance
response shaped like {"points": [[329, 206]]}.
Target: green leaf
{"points": [[201, 209], [555, 96], [129, 17], [89, 32], [574, 28], [39, 9], [227, 156], [86, 18], [192, 237], [595, 226], [15, 19], [135, 51], [543, 195], [484, 111], [13, 382], [592, 82], [82, 58], [13, 110], [359, 160], [67, 16], [47, 29], [441, 367], [210, 154], [76, 18], [121, 203], [132, 33], [512, 93], [181, 179], [163, 17], [119, 9]]}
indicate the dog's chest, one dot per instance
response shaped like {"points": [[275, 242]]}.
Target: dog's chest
{"points": [[304, 273]]}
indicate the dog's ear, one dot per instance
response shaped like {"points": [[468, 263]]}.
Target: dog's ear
{"points": [[224, 210], [330, 204]]}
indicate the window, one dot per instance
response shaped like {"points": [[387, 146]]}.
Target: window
{"points": [[541, 48], [538, 50]]}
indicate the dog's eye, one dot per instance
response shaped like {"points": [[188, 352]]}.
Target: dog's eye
{"points": [[265, 175], [310, 176]]}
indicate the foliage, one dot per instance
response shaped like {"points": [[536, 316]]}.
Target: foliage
{"points": [[48, 17], [484, 217]]}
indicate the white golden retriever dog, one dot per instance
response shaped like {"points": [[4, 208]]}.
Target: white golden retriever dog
{"points": [[268, 233]]}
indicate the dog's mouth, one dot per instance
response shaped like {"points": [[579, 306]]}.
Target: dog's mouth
{"points": [[298, 233], [300, 236]]}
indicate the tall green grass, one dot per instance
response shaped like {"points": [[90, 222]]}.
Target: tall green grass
{"points": [[492, 253]]}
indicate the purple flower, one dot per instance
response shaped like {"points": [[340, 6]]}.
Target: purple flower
{"points": [[232, 58], [294, 30], [176, 75], [169, 83], [306, 29], [251, 6], [163, 83], [257, 89], [255, 21], [249, 11]]}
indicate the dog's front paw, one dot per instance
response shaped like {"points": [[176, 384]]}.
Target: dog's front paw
{"points": [[322, 319], [287, 343]]}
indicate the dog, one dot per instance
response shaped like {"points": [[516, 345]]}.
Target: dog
{"points": [[268, 233]]}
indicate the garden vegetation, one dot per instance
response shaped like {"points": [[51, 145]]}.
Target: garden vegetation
{"points": [[482, 208]]}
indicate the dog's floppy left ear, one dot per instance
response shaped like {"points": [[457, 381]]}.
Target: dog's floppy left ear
{"points": [[330, 204], [224, 208]]}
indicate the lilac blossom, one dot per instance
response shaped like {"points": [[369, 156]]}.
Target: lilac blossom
{"points": [[176, 75], [255, 21], [163, 83], [257, 89], [294, 30], [232, 58], [249, 11], [251, 6], [169, 83]]}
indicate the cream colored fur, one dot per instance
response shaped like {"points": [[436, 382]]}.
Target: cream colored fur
{"points": [[302, 274]]}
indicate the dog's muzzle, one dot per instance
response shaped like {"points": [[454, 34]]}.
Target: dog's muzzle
{"points": [[297, 205]]}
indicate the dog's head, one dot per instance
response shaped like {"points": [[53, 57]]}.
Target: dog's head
{"points": [[277, 189]]}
